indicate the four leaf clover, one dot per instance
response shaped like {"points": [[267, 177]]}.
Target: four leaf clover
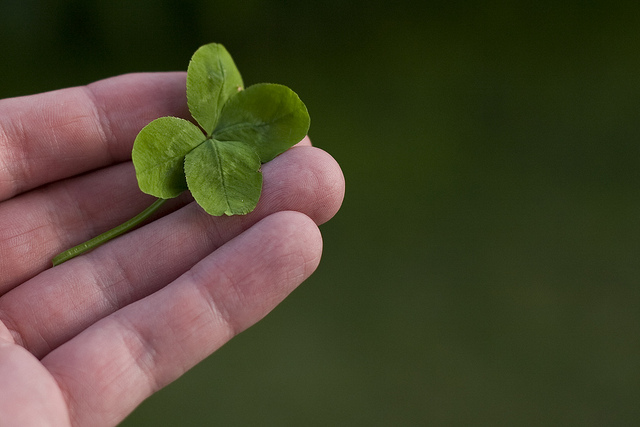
{"points": [[219, 160]]}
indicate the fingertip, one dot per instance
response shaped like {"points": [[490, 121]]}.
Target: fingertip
{"points": [[335, 187], [304, 236], [306, 142], [319, 183], [260, 267]]}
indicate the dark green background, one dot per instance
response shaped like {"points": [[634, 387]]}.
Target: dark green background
{"points": [[484, 269]]}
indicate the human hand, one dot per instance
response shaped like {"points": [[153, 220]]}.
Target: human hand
{"points": [[87, 341]]}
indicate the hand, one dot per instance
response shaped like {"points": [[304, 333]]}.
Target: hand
{"points": [[85, 342]]}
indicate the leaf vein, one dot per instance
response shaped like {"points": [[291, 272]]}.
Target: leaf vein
{"points": [[245, 125], [221, 173]]}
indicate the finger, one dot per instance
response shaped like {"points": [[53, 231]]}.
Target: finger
{"points": [[41, 223], [58, 134], [146, 345], [306, 142], [90, 287]]}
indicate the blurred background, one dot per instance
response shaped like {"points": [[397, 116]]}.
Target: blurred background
{"points": [[484, 268]]}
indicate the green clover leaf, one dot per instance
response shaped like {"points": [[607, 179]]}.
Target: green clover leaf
{"points": [[212, 78], [239, 129], [218, 159], [224, 177]]}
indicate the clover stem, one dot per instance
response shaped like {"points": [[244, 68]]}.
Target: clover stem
{"points": [[105, 237]]}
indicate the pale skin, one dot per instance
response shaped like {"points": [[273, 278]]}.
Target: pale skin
{"points": [[85, 342]]}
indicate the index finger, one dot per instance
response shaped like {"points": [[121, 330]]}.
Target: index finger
{"points": [[55, 135]]}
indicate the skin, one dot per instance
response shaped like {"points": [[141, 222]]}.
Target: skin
{"points": [[85, 342]]}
